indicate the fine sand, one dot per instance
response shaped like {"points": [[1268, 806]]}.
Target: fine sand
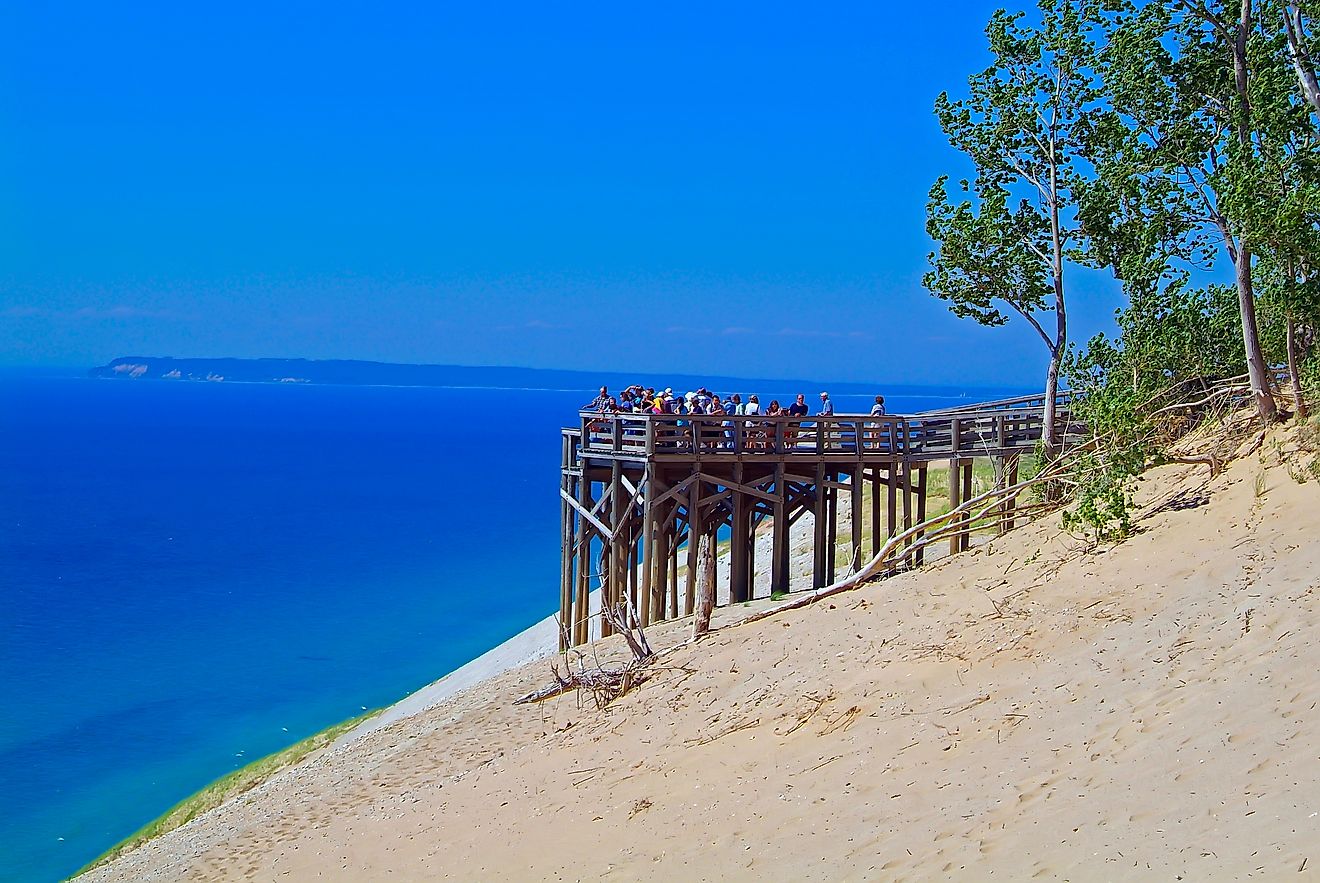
{"points": [[1033, 709]]}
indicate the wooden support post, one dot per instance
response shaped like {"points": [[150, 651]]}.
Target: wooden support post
{"points": [[832, 543], [779, 550], [611, 557], [891, 479], [821, 534], [566, 518], [877, 498], [673, 564], [907, 506], [582, 623], [738, 577], [633, 603], [693, 544], [664, 536], [966, 536], [648, 537], [855, 498], [955, 500], [921, 510], [751, 549], [1010, 506]]}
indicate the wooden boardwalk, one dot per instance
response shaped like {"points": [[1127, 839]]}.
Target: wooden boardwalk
{"points": [[637, 491]]}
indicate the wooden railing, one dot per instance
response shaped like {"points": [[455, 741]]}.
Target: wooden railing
{"points": [[1029, 402], [925, 436]]}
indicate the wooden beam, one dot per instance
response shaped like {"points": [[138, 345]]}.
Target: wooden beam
{"points": [[819, 514], [955, 500], [779, 542], [649, 528], [677, 489], [693, 545], [738, 576], [876, 511], [587, 514], [832, 537], [855, 499], [565, 546], [735, 485], [921, 511]]}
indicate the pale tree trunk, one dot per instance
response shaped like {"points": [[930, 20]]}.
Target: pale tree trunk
{"points": [[1257, 371], [705, 586], [1299, 400], [1049, 438], [1301, 58]]}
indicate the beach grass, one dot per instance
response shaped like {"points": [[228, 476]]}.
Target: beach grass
{"points": [[231, 785]]}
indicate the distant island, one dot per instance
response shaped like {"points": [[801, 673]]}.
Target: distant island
{"points": [[361, 373]]}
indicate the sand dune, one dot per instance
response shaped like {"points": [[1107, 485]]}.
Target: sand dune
{"points": [[1034, 709]]}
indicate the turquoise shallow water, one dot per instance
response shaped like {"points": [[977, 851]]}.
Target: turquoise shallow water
{"points": [[193, 575]]}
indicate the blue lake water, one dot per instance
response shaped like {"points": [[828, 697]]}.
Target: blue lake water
{"points": [[193, 575]]}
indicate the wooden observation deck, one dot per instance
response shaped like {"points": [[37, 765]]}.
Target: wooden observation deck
{"points": [[638, 491]]}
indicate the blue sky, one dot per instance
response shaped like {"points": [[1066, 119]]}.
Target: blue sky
{"points": [[724, 188]]}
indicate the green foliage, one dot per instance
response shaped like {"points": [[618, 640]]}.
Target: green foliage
{"points": [[1103, 504], [1170, 337], [1004, 238]]}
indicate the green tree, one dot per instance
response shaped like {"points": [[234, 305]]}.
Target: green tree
{"points": [[1282, 208], [1002, 245], [1181, 152]]}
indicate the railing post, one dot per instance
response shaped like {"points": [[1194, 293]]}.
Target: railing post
{"points": [[650, 435]]}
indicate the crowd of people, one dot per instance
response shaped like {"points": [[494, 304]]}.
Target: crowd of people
{"points": [[637, 399]]}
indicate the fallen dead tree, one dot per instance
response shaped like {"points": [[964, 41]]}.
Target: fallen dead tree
{"points": [[603, 683]]}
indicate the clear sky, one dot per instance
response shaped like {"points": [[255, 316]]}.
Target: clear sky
{"points": [[705, 187]]}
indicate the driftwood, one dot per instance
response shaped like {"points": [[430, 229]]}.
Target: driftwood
{"points": [[601, 682], [705, 588]]}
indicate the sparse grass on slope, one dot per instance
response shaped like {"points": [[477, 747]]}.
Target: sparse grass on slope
{"points": [[227, 787]]}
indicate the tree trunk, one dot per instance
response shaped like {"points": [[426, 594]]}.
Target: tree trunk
{"points": [[705, 586], [1257, 371], [1256, 368], [1299, 401], [1047, 434], [1049, 440]]}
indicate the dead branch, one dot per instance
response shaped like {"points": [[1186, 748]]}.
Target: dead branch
{"points": [[603, 683]]}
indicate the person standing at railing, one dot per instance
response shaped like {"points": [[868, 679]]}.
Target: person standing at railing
{"points": [[600, 401], [826, 406], [872, 435], [726, 432], [773, 427], [797, 409]]}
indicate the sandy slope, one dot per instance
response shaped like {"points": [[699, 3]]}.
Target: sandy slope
{"points": [[1027, 710]]}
